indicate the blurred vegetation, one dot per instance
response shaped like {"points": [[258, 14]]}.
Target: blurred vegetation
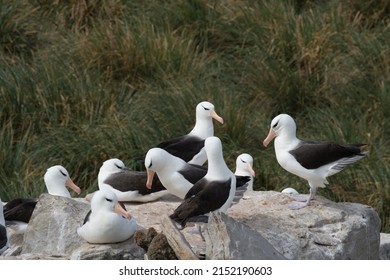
{"points": [[84, 81]]}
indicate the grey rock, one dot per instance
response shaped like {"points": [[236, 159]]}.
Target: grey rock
{"points": [[323, 230], [384, 250], [227, 239], [127, 250], [52, 229], [52, 233], [159, 249]]}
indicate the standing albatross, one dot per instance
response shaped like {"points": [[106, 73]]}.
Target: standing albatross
{"points": [[190, 147], [214, 192], [127, 184], [310, 160]]}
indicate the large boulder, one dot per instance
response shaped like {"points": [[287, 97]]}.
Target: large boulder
{"points": [[384, 251], [52, 231], [227, 239], [323, 230]]}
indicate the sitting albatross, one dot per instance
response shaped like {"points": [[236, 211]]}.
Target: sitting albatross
{"points": [[56, 180], [310, 160], [127, 184], [107, 222]]}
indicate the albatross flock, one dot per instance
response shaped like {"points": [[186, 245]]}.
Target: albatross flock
{"points": [[177, 167]]}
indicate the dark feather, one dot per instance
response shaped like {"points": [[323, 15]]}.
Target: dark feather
{"points": [[86, 219], [129, 180], [193, 172], [3, 236], [201, 199], [19, 209], [184, 147], [241, 181], [312, 155]]}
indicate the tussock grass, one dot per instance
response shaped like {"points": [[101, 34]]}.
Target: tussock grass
{"points": [[84, 81]]}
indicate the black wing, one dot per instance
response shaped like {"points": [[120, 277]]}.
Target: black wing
{"points": [[242, 180], [206, 197], [184, 147], [19, 209], [193, 172], [129, 180], [3, 236], [86, 219], [312, 155]]}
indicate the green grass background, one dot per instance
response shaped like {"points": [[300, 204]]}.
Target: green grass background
{"points": [[84, 81]]}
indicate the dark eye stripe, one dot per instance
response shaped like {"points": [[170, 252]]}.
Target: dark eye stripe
{"points": [[118, 166], [109, 200], [63, 173], [243, 160], [150, 165], [205, 108], [276, 124]]}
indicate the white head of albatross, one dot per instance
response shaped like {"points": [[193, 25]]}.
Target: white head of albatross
{"points": [[310, 160], [190, 147], [244, 167], [57, 179], [107, 222], [127, 184], [205, 113]]}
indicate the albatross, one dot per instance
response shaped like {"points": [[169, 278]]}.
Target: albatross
{"points": [[127, 184], [190, 147], [244, 167], [56, 180], [178, 176], [214, 192], [107, 221], [3, 231], [310, 160]]}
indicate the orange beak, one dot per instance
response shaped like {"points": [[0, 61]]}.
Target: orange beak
{"points": [[118, 208], [271, 135], [149, 180], [250, 169], [69, 183], [215, 116]]}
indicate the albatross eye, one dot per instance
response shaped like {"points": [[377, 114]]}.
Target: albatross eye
{"points": [[205, 108], [150, 165], [119, 167], [276, 124], [63, 173], [109, 200], [243, 160]]}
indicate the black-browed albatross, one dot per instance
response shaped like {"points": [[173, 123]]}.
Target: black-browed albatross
{"points": [[3, 231], [310, 160], [56, 180], [127, 184], [107, 222], [178, 176], [190, 147], [244, 167], [214, 192]]}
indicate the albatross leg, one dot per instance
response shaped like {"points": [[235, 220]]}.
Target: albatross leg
{"points": [[197, 229], [295, 205]]}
